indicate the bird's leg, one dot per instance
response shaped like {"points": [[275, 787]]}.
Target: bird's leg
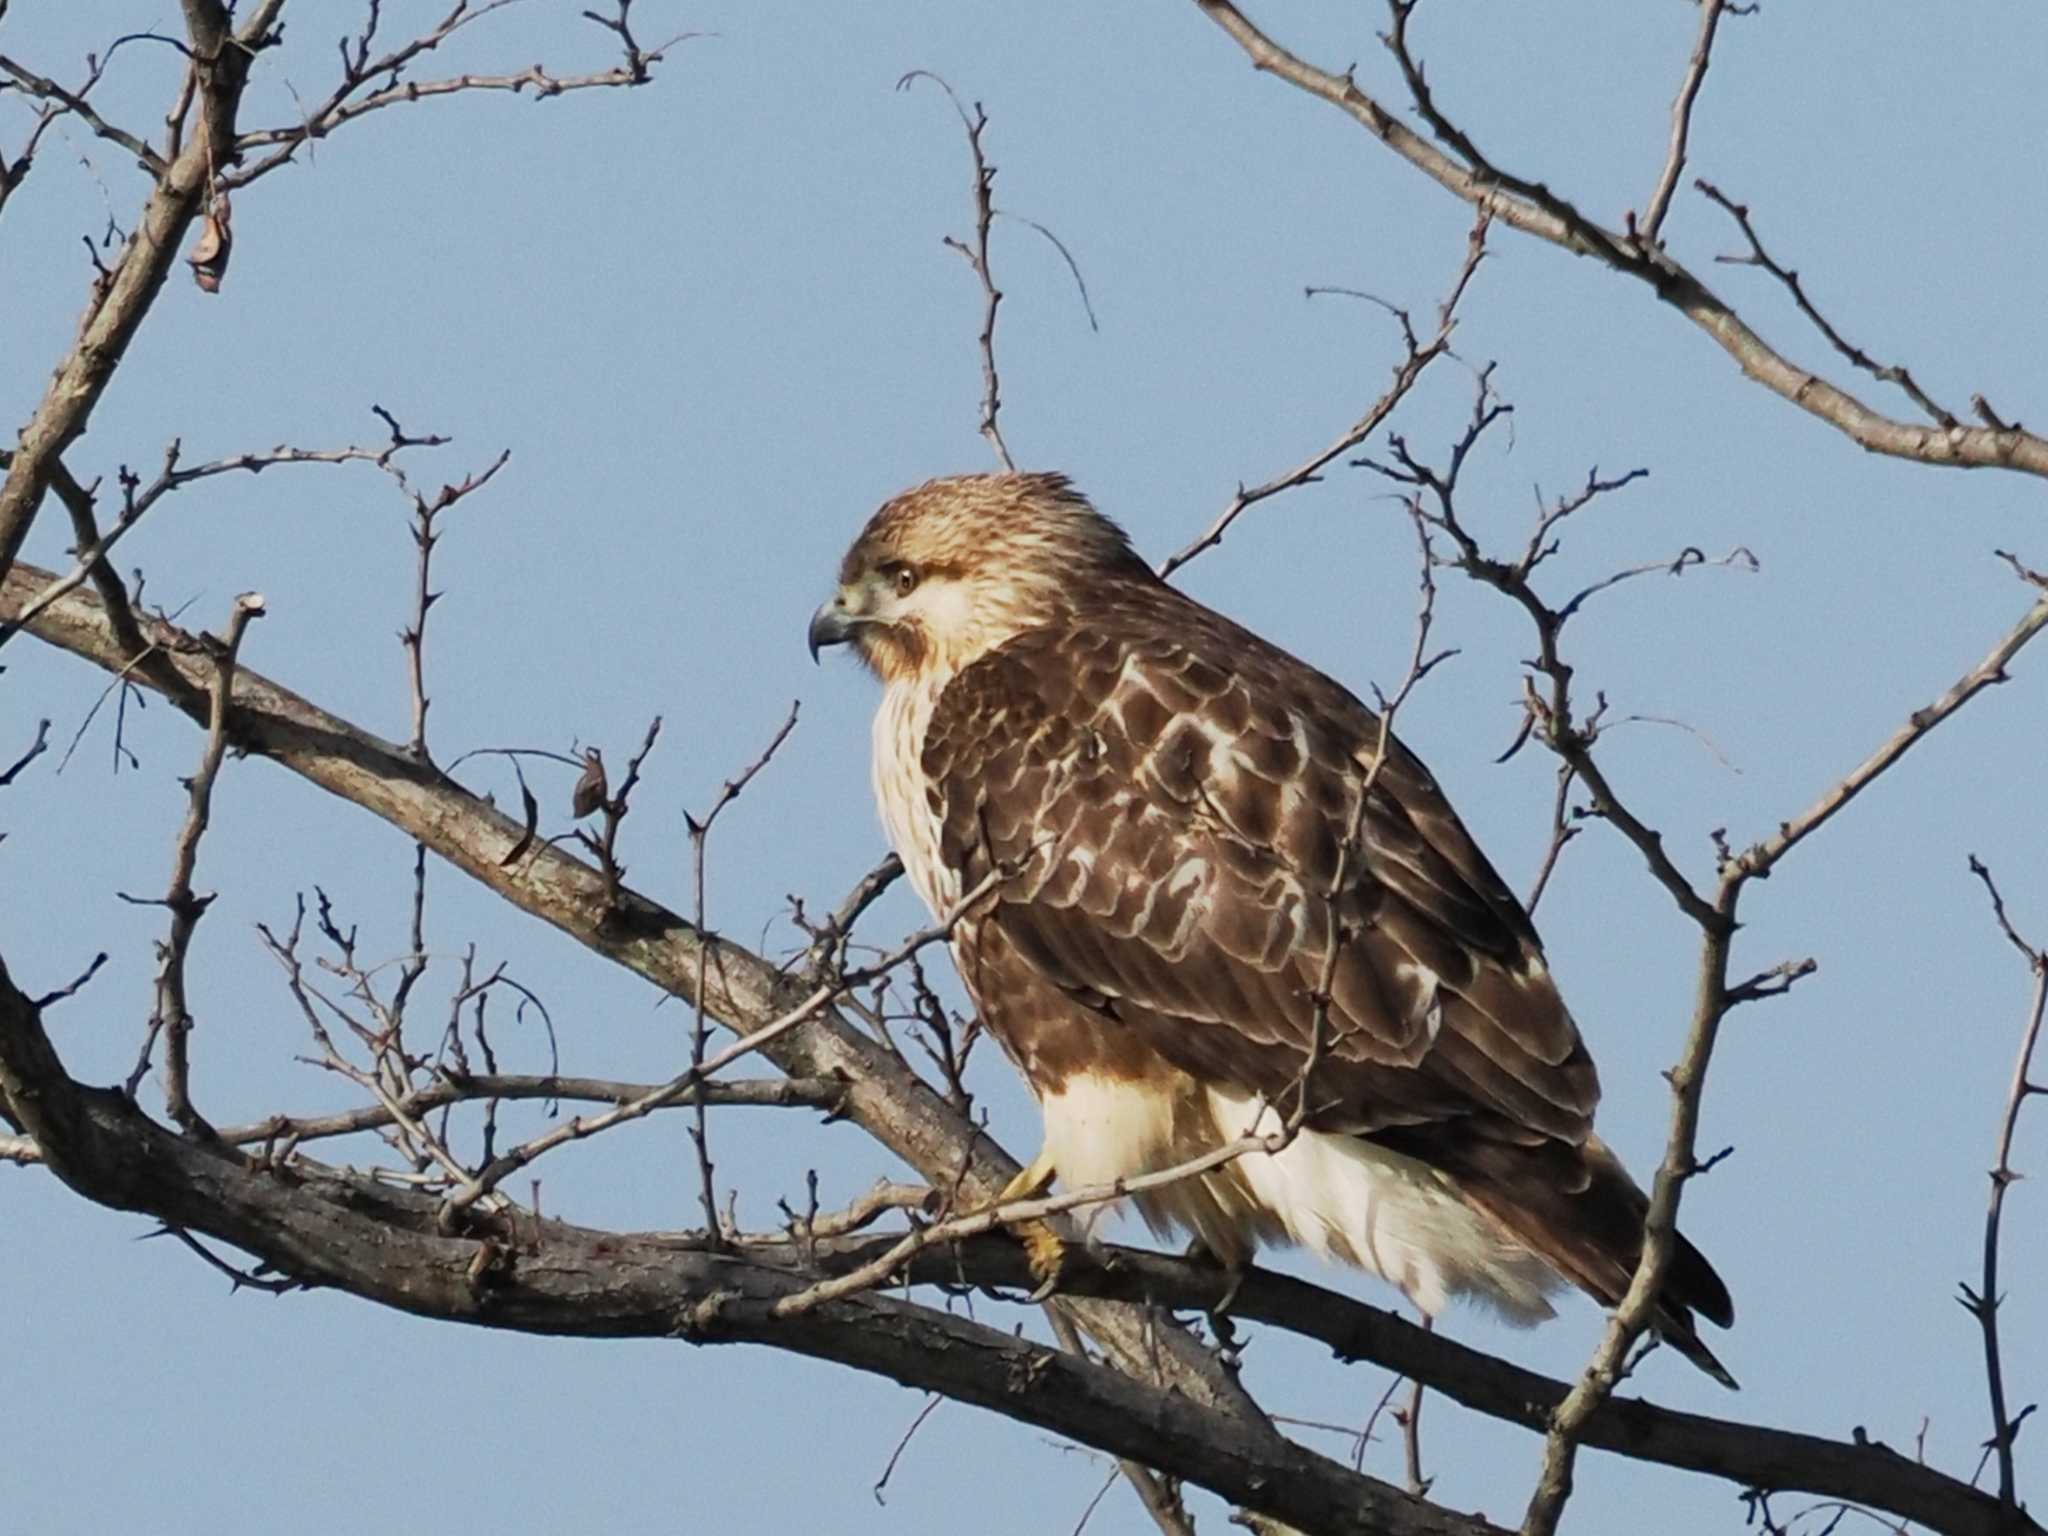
{"points": [[1032, 1180], [1044, 1248], [1199, 1252]]}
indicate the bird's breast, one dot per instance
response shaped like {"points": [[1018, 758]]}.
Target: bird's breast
{"points": [[900, 791]]}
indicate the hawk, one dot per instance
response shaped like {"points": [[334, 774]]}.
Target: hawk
{"points": [[1165, 804]]}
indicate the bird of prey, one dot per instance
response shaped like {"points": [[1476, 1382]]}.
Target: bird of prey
{"points": [[1185, 909]]}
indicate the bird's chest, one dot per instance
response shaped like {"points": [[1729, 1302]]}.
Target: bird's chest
{"points": [[900, 793]]}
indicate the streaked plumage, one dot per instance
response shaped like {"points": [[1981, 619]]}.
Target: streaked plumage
{"points": [[1173, 795]]}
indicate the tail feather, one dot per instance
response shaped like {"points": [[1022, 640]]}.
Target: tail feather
{"points": [[1577, 1209]]}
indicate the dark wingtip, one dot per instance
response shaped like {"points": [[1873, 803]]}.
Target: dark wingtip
{"points": [[1677, 1331], [1695, 1285]]}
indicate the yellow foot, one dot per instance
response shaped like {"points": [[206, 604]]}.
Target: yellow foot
{"points": [[1046, 1252], [1043, 1247]]}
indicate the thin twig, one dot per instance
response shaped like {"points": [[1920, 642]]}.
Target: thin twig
{"points": [[931, 1403], [452, 1088], [35, 750], [1984, 1302], [1561, 832], [424, 537], [1884, 373], [137, 499], [78, 502], [700, 1031], [1681, 121], [1419, 355], [1411, 1436], [605, 845], [74, 102], [349, 100], [976, 256], [518, 1157], [173, 1015]]}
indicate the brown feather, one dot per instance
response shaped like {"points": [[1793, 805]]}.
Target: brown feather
{"points": [[1174, 796]]}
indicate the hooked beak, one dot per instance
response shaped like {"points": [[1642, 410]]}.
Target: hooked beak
{"points": [[830, 625]]}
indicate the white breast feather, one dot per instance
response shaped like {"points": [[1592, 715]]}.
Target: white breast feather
{"points": [[907, 816]]}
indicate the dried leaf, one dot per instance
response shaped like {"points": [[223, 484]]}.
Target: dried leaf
{"points": [[215, 244], [591, 789]]}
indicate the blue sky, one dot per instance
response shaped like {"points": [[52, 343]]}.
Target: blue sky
{"points": [[714, 323]]}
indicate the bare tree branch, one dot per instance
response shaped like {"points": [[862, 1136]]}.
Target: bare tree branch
{"points": [[1532, 208], [883, 1095], [74, 102], [1553, 720], [116, 309], [351, 97], [314, 1223], [1714, 999], [1883, 373], [700, 839], [976, 257], [509, 1270], [35, 750], [1160, 1496], [173, 1015], [1419, 355], [137, 499], [1711, 12], [1984, 1302]]}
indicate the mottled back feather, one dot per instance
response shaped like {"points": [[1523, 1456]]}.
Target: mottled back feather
{"points": [[1175, 796]]}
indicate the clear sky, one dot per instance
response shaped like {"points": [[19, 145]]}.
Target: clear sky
{"points": [[714, 323]]}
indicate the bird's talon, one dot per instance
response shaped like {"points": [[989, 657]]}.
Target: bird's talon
{"points": [[1046, 1252], [1234, 1283]]}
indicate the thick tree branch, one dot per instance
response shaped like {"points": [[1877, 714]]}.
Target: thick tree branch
{"points": [[116, 308], [883, 1095], [316, 1225], [557, 1278]]}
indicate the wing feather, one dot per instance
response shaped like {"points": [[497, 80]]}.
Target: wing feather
{"points": [[1175, 794]]}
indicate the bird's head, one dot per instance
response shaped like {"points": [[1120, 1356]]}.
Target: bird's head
{"points": [[944, 573]]}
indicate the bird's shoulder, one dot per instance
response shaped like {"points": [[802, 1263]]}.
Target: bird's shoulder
{"points": [[1179, 804], [1149, 697]]}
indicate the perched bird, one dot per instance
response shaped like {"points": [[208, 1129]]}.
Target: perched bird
{"points": [[1166, 804]]}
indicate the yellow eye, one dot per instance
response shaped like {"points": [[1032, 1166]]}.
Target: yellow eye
{"points": [[904, 578]]}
